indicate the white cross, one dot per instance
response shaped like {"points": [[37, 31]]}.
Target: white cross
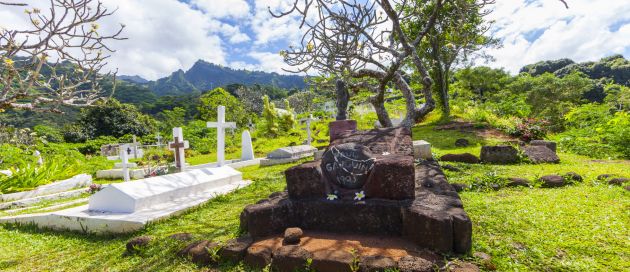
{"points": [[179, 145], [125, 161], [159, 139], [221, 125], [308, 128], [40, 161], [135, 147]]}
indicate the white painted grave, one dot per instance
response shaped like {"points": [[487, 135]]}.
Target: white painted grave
{"points": [[178, 145], [288, 154], [422, 150], [247, 149], [308, 120], [6, 172], [127, 207], [77, 181], [118, 173], [221, 125]]}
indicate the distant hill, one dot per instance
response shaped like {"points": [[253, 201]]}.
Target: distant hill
{"points": [[133, 79], [615, 68], [203, 76]]}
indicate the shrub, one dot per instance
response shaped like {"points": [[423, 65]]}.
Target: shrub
{"points": [[530, 129]]}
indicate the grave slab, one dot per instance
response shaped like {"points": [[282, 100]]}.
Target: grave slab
{"points": [[119, 165], [81, 180], [118, 174], [26, 202], [422, 150], [288, 154]]}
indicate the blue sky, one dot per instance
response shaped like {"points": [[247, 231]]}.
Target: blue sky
{"points": [[167, 35]]}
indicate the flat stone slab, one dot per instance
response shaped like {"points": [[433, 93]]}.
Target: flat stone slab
{"points": [[77, 181], [83, 220], [26, 202], [236, 164], [119, 165], [129, 197], [422, 150], [292, 152], [118, 174]]}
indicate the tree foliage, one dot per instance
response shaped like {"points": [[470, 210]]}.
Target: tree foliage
{"points": [[234, 110], [112, 118]]}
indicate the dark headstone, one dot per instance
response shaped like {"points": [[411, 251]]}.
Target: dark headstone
{"points": [[515, 182], [540, 154], [337, 128], [377, 264], [199, 252], [574, 176], [137, 243], [451, 168], [462, 143], [603, 176], [181, 236], [332, 260], [414, 264], [548, 144], [500, 154], [348, 165], [618, 181], [551, 181], [458, 187], [292, 236], [465, 158], [234, 250], [258, 257], [305, 181], [290, 258]]}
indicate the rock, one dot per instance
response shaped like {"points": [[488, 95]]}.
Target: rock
{"points": [[495, 186], [341, 160], [603, 176], [292, 236], [465, 157], [618, 181], [500, 154], [333, 260], [234, 250], [515, 182], [199, 252], [377, 264], [482, 256], [290, 258], [414, 264], [627, 188], [451, 168], [181, 236], [551, 181], [258, 257], [464, 267], [462, 143], [458, 187], [574, 176], [540, 154], [549, 144], [135, 244]]}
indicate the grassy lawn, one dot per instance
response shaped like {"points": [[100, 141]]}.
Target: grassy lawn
{"points": [[583, 227]]}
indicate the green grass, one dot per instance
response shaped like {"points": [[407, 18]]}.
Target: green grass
{"points": [[583, 227]]}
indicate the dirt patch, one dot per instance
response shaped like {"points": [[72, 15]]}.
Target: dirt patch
{"points": [[482, 132], [365, 245]]}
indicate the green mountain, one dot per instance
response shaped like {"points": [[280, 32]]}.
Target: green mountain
{"points": [[615, 68], [203, 76]]}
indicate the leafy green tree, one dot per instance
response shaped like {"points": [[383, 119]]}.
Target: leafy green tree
{"points": [[270, 116], [171, 118], [617, 97], [234, 109], [112, 118], [480, 81]]}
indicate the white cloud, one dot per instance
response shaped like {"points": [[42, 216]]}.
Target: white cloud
{"points": [[269, 29], [582, 32], [223, 8]]}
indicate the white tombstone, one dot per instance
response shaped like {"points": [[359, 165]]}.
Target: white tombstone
{"points": [[159, 139], [40, 161], [247, 150], [221, 125], [422, 150], [134, 147], [6, 172], [179, 146], [308, 120], [125, 162]]}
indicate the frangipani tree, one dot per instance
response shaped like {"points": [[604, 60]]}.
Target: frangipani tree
{"points": [[58, 59]]}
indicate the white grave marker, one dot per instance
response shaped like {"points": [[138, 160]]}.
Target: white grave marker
{"points": [[125, 162], [159, 139], [247, 150], [179, 145], [134, 145], [40, 161], [308, 120], [221, 125]]}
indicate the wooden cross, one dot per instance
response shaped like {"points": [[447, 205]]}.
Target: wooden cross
{"points": [[221, 125], [179, 145]]}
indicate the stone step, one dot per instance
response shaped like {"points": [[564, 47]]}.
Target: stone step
{"points": [[129, 197], [27, 202]]}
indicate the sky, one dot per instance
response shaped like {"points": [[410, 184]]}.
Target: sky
{"points": [[167, 35]]}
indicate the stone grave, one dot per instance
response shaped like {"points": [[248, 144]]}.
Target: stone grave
{"points": [[366, 186], [71, 187], [288, 154], [122, 170], [127, 207]]}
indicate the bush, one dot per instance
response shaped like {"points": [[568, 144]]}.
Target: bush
{"points": [[530, 129], [49, 134]]}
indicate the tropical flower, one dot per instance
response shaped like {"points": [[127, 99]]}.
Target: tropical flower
{"points": [[385, 153], [359, 195], [332, 197], [8, 62]]}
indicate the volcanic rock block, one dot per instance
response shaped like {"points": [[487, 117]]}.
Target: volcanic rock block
{"points": [[377, 264], [199, 252], [391, 140], [136, 243], [268, 217], [464, 157], [290, 258], [414, 264], [234, 250], [462, 142], [574, 176], [540, 154], [258, 257], [549, 144], [332, 260], [339, 127], [181, 236], [391, 178], [292, 236], [515, 182], [618, 181], [551, 181], [500, 154], [305, 181]]}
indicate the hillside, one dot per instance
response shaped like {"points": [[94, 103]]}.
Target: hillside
{"points": [[204, 76], [615, 68]]}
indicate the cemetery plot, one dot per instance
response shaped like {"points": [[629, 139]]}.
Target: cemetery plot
{"points": [[288, 154]]}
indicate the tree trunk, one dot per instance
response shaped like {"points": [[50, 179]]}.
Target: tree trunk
{"points": [[378, 102]]}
